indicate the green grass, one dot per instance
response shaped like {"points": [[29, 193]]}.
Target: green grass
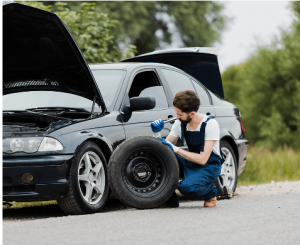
{"points": [[264, 165], [17, 205]]}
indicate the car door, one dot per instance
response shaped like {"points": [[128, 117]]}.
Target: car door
{"points": [[206, 106], [146, 82], [178, 81]]}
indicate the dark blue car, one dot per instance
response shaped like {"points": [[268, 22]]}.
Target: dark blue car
{"points": [[73, 132]]}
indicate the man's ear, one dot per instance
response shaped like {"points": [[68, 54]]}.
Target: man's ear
{"points": [[192, 114]]}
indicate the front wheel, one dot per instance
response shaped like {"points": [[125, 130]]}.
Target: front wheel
{"points": [[88, 185], [143, 172], [228, 177]]}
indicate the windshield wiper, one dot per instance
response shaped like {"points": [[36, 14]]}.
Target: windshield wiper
{"points": [[34, 112], [58, 109], [48, 115]]}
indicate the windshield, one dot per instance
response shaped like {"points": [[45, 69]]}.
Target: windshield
{"points": [[108, 82], [34, 99]]}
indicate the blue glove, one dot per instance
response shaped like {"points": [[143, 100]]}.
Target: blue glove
{"points": [[157, 126], [173, 147]]}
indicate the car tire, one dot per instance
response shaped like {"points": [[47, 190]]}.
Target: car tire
{"points": [[143, 172], [228, 177], [88, 182]]}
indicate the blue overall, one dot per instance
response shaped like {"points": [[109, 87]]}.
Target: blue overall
{"points": [[198, 181]]}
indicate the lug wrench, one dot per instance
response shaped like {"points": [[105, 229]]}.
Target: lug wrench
{"points": [[170, 120]]}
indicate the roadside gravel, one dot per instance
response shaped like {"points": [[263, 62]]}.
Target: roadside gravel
{"points": [[273, 188]]}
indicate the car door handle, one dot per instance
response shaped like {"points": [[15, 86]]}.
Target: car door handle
{"points": [[209, 114], [171, 120]]}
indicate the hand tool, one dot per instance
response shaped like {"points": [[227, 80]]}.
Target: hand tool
{"points": [[170, 120]]}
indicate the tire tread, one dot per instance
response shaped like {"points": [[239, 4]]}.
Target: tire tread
{"points": [[125, 195]]}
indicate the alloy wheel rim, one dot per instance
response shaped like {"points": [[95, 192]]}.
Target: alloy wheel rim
{"points": [[91, 177], [228, 174]]}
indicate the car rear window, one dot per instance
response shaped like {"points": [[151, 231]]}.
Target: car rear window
{"points": [[177, 81], [203, 96]]}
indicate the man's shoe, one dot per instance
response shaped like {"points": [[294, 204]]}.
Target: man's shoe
{"points": [[173, 202], [211, 203]]}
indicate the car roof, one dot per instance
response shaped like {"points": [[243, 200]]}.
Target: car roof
{"points": [[127, 65], [203, 50]]}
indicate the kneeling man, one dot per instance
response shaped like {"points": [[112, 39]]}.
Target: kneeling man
{"points": [[201, 165]]}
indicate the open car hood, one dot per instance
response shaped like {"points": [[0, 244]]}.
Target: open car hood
{"points": [[39, 53], [200, 63]]}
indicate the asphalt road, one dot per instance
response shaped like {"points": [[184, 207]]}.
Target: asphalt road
{"points": [[273, 219]]}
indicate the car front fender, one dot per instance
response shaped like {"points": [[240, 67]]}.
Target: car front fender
{"points": [[72, 141]]}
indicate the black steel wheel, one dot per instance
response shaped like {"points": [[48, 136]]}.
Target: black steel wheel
{"points": [[143, 172]]}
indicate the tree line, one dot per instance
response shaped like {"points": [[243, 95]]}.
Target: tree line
{"points": [[266, 89], [108, 31]]}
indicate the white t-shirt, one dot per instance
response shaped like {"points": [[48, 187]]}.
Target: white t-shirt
{"points": [[212, 132]]}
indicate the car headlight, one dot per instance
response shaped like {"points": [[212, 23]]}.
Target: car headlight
{"points": [[17, 145], [31, 144], [50, 144]]}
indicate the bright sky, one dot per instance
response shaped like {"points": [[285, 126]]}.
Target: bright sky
{"points": [[253, 23]]}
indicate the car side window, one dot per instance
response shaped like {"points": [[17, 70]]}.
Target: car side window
{"points": [[202, 94], [146, 84], [177, 81]]}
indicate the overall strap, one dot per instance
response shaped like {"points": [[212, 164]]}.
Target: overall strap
{"points": [[202, 134], [183, 129]]}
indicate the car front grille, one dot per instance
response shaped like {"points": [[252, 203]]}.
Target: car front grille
{"points": [[18, 188], [7, 181]]}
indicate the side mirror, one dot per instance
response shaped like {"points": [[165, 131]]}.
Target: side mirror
{"points": [[142, 103]]}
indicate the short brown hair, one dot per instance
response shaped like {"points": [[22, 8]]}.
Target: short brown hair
{"points": [[187, 101]]}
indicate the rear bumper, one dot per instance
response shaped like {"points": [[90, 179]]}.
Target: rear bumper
{"points": [[242, 148], [50, 178]]}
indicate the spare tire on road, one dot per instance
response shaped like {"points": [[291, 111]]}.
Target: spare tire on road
{"points": [[143, 172]]}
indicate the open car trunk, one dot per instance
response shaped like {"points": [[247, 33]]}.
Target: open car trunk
{"points": [[202, 66]]}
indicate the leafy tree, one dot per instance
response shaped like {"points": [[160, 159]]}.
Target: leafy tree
{"points": [[199, 23], [39, 5], [91, 30], [296, 8], [148, 24], [266, 88]]}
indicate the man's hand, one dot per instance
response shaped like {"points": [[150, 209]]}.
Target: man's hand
{"points": [[201, 158], [173, 147], [157, 126]]}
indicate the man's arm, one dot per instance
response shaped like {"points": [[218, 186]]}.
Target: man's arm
{"points": [[201, 158], [172, 139]]}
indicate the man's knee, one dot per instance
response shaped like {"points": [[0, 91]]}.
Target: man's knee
{"points": [[188, 190], [196, 191]]}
